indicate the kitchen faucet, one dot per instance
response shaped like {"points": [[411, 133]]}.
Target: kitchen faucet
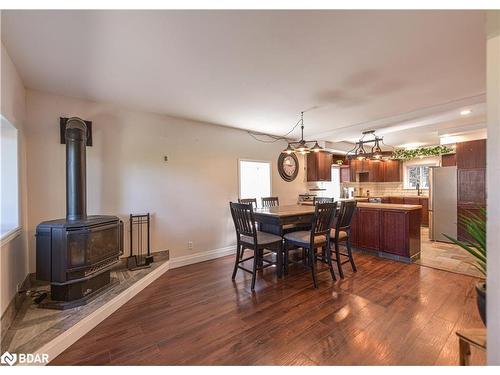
{"points": [[419, 192]]}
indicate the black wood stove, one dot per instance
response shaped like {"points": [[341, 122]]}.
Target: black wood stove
{"points": [[76, 254]]}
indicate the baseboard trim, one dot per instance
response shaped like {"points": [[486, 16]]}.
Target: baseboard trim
{"points": [[69, 337], [202, 256]]}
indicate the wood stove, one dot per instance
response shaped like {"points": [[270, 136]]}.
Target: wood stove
{"points": [[76, 254]]}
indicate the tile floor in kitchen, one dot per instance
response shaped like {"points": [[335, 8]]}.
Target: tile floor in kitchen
{"points": [[445, 256]]}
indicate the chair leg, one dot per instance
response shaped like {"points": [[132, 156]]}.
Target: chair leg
{"points": [[237, 260], [279, 260], [339, 261], [329, 260], [241, 253], [285, 258], [313, 267], [256, 256], [349, 251]]}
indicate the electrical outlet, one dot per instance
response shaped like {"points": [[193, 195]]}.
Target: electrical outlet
{"points": [[190, 245]]}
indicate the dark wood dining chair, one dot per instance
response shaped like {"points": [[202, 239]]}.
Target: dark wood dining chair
{"points": [[342, 233], [248, 237], [317, 200], [270, 202], [310, 240], [252, 201]]}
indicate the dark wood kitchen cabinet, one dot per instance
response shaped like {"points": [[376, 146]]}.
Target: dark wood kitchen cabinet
{"points": [[394, 232], [471, 180], [368, 228], [449, 160], [471, 154], [471, 185], [424, 202], [319, 166], [392, 171], [375, 171], [345, 174]]}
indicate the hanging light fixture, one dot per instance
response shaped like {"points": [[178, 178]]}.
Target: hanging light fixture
{"points": [[376, 153], [301, 146]]}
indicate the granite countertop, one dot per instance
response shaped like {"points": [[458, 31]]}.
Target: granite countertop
{"points": [[390, 206], [385, 206]]}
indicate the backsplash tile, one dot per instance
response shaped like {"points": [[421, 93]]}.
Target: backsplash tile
{"points": [[382, 189]]}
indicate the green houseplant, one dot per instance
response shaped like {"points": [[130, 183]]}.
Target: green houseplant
{"points": [[475, 225]]}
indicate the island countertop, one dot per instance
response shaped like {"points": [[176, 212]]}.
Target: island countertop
{"points": [[382, 206]]}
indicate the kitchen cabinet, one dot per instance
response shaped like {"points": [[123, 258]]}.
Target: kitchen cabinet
{"points": [[319, 166], [471, 154], [397, 200], [466, 211], [424, 202], [392, 171], [471, 180], [375, 171], [471, 186], [394, 232], [368, 228], [345, 174], [449, 160]]}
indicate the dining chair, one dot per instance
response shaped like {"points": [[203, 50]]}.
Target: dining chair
{"points": [[248, 237], [317, 200], [342, 233], [317, 237], [252, 201], [270, 202]]}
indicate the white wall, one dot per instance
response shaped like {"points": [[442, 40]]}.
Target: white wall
{"points": [[188, 195], [14, 253], [493, 182]]}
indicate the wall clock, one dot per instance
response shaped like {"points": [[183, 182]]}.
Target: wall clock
{"points": [[288, 166]]}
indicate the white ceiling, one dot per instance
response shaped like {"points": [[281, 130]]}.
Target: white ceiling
{"points": [[256, 70]]}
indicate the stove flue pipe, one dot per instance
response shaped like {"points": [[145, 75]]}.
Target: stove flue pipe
{"points": [[76, 170]]}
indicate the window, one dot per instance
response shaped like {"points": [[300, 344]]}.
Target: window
{"points": [[417, 174], [255, 179], [9, 179]]}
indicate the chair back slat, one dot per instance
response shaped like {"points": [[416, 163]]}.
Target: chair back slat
{"points": [[252, 201], [244, 222], [345, 214], [317, 200], [270, 202], [324, 214]]}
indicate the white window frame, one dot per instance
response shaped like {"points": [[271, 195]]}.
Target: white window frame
{"points": [[270, 176], [15, 230], [407, 175]]}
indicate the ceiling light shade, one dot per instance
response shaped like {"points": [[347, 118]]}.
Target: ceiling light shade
{"points": [[288, 150], [376, 153], [316, 147], [301, 146]]}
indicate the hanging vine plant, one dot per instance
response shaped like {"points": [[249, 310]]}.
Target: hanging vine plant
{"points": [[421, 152]]}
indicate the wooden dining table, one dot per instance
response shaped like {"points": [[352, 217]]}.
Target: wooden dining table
{"points": [[275, 220]]}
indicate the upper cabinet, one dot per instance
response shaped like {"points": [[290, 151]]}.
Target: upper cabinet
{"points": [[375, 171], [319, 166], [393, 171], [471, 154]]}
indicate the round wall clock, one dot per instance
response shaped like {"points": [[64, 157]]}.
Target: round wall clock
{"points": [[288, 166]]}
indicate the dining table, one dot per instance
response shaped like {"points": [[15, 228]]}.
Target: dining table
{"points": [[277, 219]]}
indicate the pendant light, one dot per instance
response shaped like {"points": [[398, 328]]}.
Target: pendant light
{"points": [[301, 146], [376, 153]]}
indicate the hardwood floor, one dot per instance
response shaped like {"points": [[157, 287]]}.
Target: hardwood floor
{"points": [[387, 313]]}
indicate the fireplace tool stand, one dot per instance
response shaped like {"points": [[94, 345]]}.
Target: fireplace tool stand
{"points": [[140, 251]]}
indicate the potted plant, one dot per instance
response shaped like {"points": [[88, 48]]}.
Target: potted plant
{"points": [[475, 225]]}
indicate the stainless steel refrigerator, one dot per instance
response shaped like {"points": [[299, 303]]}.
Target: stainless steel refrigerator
{"points": [[442, 203]]}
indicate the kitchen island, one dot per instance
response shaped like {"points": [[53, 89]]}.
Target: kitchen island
{"points": [[387, 230]]}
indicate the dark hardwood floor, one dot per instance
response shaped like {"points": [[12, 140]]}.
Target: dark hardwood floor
{"points": [[387, 313]]}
